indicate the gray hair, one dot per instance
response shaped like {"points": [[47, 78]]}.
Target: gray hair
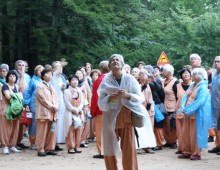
{"points": [[17, 62], [194, 55], [135, 68], [169, 68], [56, 63], [4, 66], [48, 66], [200, 73], [126, 65], [119, 56], [217, 57], [103, 65], [149, 68], [144, 71]]}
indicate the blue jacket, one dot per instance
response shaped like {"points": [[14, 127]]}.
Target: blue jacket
{"points": [[215, 90], [29, 94], [201, 106]]}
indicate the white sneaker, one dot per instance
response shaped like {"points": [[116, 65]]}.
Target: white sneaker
{"points": [[14, 149], [5, 150]]}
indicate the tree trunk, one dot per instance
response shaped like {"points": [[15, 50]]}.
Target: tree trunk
{"points": [[5, 35], [55, 39]]}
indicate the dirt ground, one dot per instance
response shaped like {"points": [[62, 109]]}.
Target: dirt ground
{"points": [[164, 159]]}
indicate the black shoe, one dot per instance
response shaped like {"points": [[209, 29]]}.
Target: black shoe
{"points": [[87, 142], [22, 146], [147, 150], [51, 153], [99, 156], [173, 146], [178, 152], [41, 154], [210, 139], [214, 150], [157, 148], [166, 145], [83, 145], [57, 148], [218, 153]]}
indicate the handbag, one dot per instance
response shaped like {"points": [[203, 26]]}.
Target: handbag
{"points": [[162, 108], [77, 122], [26, 118], [137, 120], [158, 114]]}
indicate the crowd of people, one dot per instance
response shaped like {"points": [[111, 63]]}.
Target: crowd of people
{"points": [[180, 112]]}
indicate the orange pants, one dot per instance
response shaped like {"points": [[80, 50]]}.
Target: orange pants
{"points": [[20, 133], [129, 156], [45, 139], [169, 134], [179, 129], [98, 131], [158, 132], [189, 137], [73, 137], [85, 132], [8, 131]]}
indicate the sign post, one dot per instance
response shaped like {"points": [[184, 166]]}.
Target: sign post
{"points": [[163, 60]]}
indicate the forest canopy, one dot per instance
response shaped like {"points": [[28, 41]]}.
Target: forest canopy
{"points": [[89, 31]]}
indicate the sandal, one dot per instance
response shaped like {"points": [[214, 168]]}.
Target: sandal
{"points": [[71, 151], [195, 157], [77, 150], [184, 156]]}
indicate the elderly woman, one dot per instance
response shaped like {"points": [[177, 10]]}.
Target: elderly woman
{"points": [[4, 68], [73, 99], [9, 128], [170, 90], [119, 94], [135, 72], [144, 79], [185, 76], [46, 115], [195, 60], [29, 102], [83, 85], [196, 110]]}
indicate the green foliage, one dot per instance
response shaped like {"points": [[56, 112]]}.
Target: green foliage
{"points": [[90, 31]]}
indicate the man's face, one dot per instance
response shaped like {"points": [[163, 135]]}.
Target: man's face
{"points": [[217, 63], [3, 73], [20, 66]]}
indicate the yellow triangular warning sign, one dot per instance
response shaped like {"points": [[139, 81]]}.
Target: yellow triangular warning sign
{"points": [[163, 59]]}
